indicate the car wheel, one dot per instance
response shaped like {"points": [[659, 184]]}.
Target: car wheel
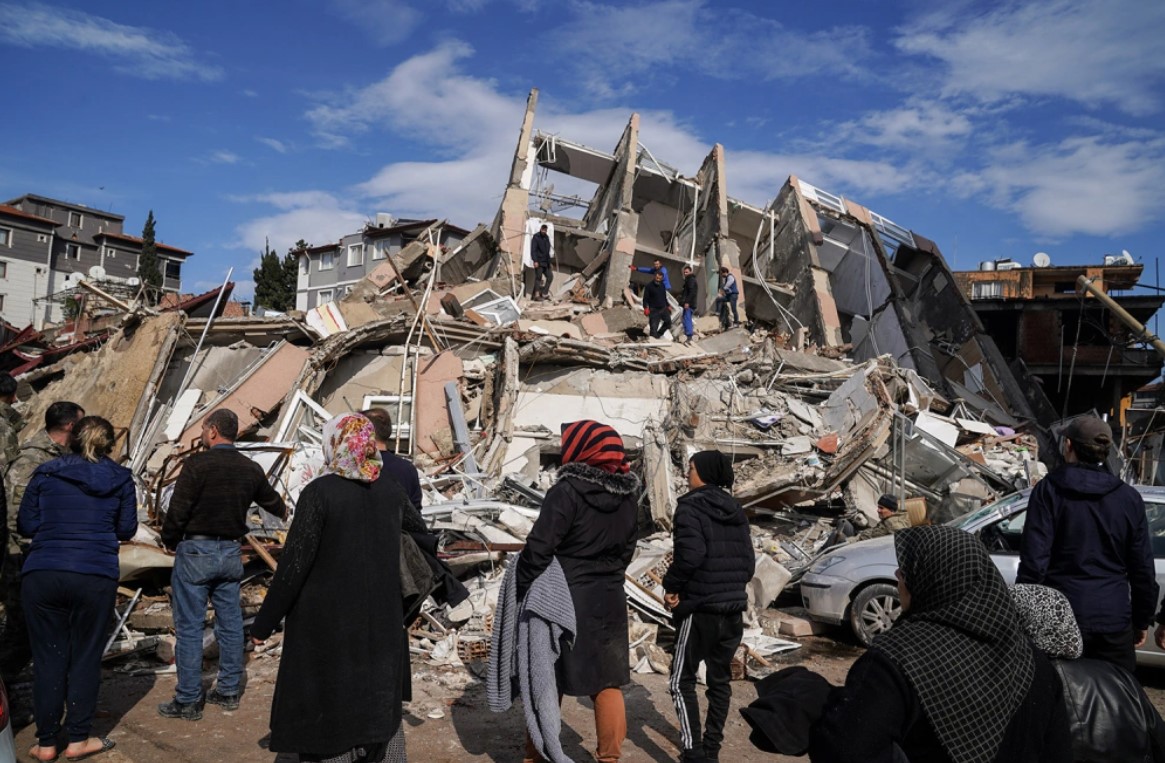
{"points": [[874, 610]]}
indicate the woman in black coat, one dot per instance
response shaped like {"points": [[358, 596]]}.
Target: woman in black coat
{"points": [[955, 679], [588, 521], [338, 693]]}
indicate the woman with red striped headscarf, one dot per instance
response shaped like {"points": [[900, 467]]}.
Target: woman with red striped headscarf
{"points": [[588, 522]]}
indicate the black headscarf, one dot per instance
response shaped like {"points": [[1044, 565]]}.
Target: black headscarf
{"points": [[960, 644], [714, 467]]}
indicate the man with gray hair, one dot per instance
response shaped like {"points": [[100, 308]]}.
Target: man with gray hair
{"points": [[206, 519], [1087, 536]]}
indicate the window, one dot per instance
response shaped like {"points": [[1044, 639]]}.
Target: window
{"points": [[986, 290], [42, 238], [72, 251], [327, 260], [355, 255], [323, 297], [5, 237], [378, 250], [173, 269], [110, 252], [76, 220], [1, 302], [304, 264], [3, 269]]}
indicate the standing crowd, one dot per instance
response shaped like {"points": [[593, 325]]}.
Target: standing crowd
{"points": [[972, 671]]}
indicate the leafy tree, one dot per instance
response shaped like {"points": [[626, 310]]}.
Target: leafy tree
{"points": [[148, 269], [275, 278]]}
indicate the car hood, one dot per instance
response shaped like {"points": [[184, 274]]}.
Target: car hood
{"points": [[874, 552]]}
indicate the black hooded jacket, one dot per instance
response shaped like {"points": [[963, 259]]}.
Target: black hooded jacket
{"points": [[588, 521], [690, 293], [713, 559], [1086, 535]]}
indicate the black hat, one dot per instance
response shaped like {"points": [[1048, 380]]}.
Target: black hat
{"points": [[1090, 432], [888, 501]]}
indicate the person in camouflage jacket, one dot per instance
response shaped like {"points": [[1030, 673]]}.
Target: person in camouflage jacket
{"points": [[11, 422], [892, 520]]}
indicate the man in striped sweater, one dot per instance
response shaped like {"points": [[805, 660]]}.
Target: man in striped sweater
{"points": [[713, 562]]}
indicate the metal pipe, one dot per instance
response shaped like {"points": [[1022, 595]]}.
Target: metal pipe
{"points": [[105, 295], [194, 362], [1141, 331]]}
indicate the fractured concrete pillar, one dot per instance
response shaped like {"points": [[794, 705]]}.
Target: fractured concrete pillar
{"points": [[509, 228], [618, 274]]}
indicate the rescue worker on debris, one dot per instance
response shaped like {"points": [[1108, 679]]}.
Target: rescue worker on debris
{"points": [[42, 447], [540, 254], [657, 268], [11, 422], [891, 520], [689, 295], [656, 307]]}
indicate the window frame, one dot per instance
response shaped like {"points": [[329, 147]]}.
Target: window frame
{"points": [[74, 248], [320, 301], [3, 269], [80, 219], [355, 248], [11, 233], [378, 250], [328, 257]]}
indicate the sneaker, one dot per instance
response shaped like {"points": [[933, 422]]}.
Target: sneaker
{"points": [[175, 709], [225, 701]]}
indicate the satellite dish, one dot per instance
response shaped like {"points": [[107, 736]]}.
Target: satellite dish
{"points": [[134, 281], [1041, 260], [72, 279], [97, 272]]}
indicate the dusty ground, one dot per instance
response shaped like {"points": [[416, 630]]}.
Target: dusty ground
{"points": [[447, 722]]}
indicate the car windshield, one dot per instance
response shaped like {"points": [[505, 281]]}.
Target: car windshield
{"points": [[970, 518]]}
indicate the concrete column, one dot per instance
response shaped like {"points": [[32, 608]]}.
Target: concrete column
{"points": [[618, 275]]}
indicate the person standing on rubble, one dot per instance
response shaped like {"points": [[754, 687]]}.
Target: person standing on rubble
{"points": [[75, 510], [339, 688], [206, 519], [588, 522], [727, 296], [713, 561], [656, 307], [1087, 536], [47, 444], [657, 268], [540, 254], [689, 295], [11, 422], [890, 520]]}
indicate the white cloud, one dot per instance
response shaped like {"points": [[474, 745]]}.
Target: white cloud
{"points": [[318, 217], [223, 156], [1081, 185], [1093, 53], [618, 47], [914, 126], [137, 51], [273, 144], [383, 21]]}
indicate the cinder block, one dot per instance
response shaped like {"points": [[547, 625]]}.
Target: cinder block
{"points": [[797, 627]]}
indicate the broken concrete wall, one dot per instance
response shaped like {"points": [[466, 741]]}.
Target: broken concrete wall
{"points": [[509, 227]]}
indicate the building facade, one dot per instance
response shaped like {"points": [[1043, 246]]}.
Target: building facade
{"points": [[328, 272], [44, 242]]}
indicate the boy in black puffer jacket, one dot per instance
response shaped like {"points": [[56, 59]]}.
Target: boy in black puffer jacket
{"points": [[713, 561]]}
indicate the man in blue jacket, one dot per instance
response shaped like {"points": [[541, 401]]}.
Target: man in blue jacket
{"points": [[1087, 536], [712, 564], [657, 266]]}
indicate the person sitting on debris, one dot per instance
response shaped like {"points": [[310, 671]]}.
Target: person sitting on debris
{"points": [[47, 444], [955, 678], [1110, 716], [891, 520], [657, 268], [206, 519], [656, 307], [540, 254], [588, 522], [75, 510], [726, 297], [713, 561], [689, 296], [339, 688]]}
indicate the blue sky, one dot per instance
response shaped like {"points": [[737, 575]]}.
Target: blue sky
{"points": [[996, 129]]}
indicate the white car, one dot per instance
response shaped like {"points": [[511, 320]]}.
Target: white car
{"points": [[855, 583]]}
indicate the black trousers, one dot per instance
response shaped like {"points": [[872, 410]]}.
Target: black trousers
{"points": [[1116, 648], [659, 321], [711, 639], [14, 651], [542, 279], [68, 615]]}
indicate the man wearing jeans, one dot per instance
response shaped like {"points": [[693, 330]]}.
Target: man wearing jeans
{"points": [[206, 518]]}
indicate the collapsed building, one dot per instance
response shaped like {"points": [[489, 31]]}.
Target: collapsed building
{"points": [[863, 370]]}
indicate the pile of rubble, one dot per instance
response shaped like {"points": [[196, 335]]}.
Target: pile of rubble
{"points": [[858, 372]]}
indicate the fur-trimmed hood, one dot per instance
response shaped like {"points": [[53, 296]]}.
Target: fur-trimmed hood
{"points": [[601, 490]]}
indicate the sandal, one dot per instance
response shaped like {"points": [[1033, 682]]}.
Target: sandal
{"points": [[106, 746], [32, 753]]}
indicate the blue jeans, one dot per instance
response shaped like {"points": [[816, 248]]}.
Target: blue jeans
{"points": [[689, 329], [207, 570]]}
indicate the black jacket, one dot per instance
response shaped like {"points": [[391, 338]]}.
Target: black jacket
{"points": [[713, 559], [655, 296], [690, 292], [540, 249], [1110, 717], [1086, 535], [588, 521], [878, 709]]}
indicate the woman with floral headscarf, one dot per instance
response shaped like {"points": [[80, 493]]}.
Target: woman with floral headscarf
{"points": [[338, 693], [955, 679], [588, 522]]}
